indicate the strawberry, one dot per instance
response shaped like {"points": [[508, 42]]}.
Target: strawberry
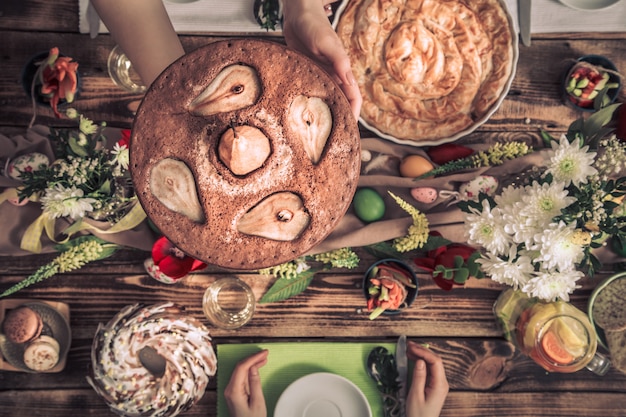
{"points": [[448, 152]]}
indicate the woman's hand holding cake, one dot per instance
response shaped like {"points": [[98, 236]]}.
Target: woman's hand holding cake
{"points": [[151, 44], [307, 29]]}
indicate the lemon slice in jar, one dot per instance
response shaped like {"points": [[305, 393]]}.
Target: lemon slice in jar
{"points": [[570, 332]]}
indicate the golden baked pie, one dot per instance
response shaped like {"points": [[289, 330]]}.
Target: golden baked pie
{"points": [[427, 69]]}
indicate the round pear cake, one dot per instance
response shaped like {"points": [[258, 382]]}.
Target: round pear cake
{"points": [[245, 154]]}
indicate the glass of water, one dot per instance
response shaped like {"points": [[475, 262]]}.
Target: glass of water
{"points": [[228, 303], [122, 72]]}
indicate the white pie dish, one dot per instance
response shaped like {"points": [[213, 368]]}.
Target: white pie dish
{"points": [[476, 123]]}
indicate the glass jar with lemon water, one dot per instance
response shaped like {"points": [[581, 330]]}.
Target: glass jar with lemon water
{"points": [[556, 335]]}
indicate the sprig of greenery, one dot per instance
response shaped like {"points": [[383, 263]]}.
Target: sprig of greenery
{"points": [[495, 155], [417, 234], [295, 276], [75, 254], [461, 270]]}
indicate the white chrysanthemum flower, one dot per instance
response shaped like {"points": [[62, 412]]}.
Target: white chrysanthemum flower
{"points": [[553, 285], [486, 228], [520, 227], [516, 271], [570, 163], [121, 156], [543, 202], [509, 199], [66, 202], [557, 247], [86, 126], [71, 113]]}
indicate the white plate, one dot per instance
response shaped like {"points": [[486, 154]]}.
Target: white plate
{"points": [[322, 394], [477, 123], [589, 4]]}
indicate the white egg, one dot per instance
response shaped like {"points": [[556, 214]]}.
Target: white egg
{"points": [[28, 162], [482, 184]]}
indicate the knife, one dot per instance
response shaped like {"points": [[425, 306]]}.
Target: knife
{"points": [[94, 21], [523, 11], [402, 365]]}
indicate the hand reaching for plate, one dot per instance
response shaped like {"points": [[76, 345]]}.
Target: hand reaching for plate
{"points": [[244, 396]]}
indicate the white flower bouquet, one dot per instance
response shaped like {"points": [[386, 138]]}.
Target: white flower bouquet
{"points": [[87, 181], [87, 185], [538, 235]]}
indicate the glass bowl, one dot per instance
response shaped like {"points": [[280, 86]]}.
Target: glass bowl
{"points": [[580, 93]]}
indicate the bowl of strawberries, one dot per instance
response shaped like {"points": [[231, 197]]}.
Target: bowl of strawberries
{"points": [[390, 285], [591, 82]]}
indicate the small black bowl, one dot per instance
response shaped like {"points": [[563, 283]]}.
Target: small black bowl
{"points": [[411, 292], [598, 61]]}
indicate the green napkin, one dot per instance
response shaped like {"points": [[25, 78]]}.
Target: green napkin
{"points": [[289, 361]]}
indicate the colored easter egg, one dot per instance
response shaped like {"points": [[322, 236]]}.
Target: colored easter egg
{"points": [[424, 195], [26, 163], [482, 184], [413, 166], [369, 206], [17, 202]]}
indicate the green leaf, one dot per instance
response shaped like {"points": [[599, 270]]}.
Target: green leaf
{"points": [[105, 188], [75, 147], [594, 265], [546, 138], [458, 261], [383, 250], [575, 128], [473, 267], [598, 120], [435, 242], [285, 288], [461, 275]]}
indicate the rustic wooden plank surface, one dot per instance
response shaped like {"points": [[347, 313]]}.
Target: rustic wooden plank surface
{"points": [[487, 376]]}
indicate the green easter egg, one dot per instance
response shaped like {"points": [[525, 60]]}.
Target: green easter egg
{"points": [[368, 205]]}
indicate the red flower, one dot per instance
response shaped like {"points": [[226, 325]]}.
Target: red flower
{"points": [[58, 77], [172, 261], [125, 139], [444, 256]]}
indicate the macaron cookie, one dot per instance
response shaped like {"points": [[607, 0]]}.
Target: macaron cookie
{"points": [[22, 324], [42, 354]]}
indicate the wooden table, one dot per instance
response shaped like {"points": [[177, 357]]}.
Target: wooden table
{"points": [[487, 376]]}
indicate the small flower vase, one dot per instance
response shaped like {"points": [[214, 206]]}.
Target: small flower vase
{"points": [[29, 72]]}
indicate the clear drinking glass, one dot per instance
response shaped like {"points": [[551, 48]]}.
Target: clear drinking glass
{"points": [[122, 72], [228, 303]]}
